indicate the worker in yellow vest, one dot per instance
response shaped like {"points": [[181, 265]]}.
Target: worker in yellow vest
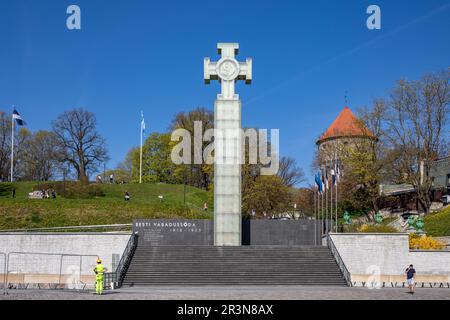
{"points": [[99, 271]]}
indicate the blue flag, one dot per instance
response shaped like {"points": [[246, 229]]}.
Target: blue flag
{"points": [[318, 182]]}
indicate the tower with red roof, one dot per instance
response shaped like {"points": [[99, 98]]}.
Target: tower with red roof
{"points": [[346, 129]]}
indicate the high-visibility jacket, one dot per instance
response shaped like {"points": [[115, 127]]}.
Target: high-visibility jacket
{"points": [[99, 271]]}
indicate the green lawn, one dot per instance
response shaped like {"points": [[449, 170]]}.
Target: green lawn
{"points": [[21, 212], [438, 224]]}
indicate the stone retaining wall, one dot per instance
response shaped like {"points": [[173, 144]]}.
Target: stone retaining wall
{"points": [[369, 257], [109, 247]]}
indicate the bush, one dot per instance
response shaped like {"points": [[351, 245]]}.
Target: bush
{"points": [[377, 228], [72, 190], [5, 189], [417, 242]]}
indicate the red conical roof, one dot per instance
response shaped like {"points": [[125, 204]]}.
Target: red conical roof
{"points": [[346, 125]]}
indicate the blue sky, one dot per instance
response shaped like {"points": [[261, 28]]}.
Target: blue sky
{"points": [[141, 54]]}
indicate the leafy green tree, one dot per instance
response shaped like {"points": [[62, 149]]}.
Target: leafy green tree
{"points": [[364, 160], [266, 194], [197, 175], [157, 165]]}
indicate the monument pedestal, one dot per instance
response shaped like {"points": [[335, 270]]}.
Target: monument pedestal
{"points": [[227, 172]]}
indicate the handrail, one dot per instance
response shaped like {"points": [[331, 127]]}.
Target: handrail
{"points": [[107, 226], [340, 262], [4, 272], [122, 267]]}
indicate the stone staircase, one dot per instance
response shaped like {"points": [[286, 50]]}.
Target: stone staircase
{"points": [[204, 266]]}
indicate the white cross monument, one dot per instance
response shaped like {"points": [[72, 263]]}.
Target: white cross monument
{"points": [[227, 123]]}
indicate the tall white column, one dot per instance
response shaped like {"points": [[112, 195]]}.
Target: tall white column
{"points": [[227, 174], [227, 140]]}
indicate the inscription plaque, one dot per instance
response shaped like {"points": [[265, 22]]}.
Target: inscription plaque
{"points": [[174, 232]]}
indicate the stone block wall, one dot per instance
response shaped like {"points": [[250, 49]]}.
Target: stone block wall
{"points": [[387, 256], [107, 246]]}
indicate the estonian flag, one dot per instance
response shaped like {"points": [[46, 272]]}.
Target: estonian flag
{"points": [[324, 186], [318, 182], [18, 118]]}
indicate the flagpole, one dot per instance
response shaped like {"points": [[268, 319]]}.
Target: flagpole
{"points": [[326, 199], [321, 227], [331, 195], [337, 183], [12, 148], [140, 167], [336, 207], [315, 220]]}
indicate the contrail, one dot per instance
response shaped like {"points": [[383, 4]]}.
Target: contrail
{"points": [[349, 52]]}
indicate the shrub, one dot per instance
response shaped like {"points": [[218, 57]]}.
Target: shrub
{"points": [[5, 189], [73, 190], [417, 242], [377, 228]]}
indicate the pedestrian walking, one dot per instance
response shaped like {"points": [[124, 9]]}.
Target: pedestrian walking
{"points": [[410, 274]]}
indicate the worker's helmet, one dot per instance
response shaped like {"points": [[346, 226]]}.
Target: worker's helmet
{"points": [[99, 260]]}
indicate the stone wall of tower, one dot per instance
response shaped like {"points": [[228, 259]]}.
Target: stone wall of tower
{"points": [[335, 148]]}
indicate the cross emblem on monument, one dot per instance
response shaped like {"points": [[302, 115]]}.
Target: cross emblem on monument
{"points": [[228, 70]]}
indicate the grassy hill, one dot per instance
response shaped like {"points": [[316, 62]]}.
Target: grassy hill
{"points": [[23, 213], [438, 224]]}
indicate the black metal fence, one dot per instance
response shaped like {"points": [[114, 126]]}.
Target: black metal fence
{"points": [[116, 277]]}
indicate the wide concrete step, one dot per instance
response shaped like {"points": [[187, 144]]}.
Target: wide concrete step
{"points": [[192, 260], [238, 283], [203, 266]]}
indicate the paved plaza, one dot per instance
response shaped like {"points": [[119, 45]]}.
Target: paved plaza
{"points": [[236, 293]]}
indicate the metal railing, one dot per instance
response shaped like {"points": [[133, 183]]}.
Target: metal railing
{"points": [[117, 276], [339, 261], [126, 227], [2, 254], [59, 274]]}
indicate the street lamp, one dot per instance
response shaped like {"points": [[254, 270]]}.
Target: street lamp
{"points": [[378, 218], [347, 219], [420, 224]]}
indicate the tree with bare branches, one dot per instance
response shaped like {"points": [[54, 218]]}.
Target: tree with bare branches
{"points": [[290, 173], [41, 157], [417, 119], [82, 146]]}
